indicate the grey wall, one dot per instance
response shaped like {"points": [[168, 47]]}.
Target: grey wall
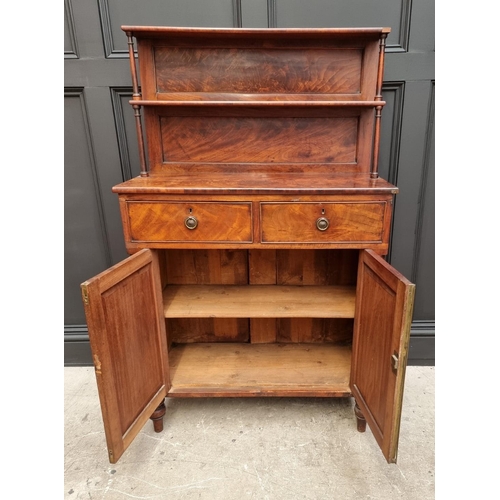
{"points": [[101, 146]]}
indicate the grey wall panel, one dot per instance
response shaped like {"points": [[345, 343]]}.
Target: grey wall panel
{"points": [[70, 44], [349, 13], [85, 240], [392, 117], [424, 262], [392, 93], [102, 123], [254, 13], [115, 13], [423, 17], [412, 154], [126, 132]]}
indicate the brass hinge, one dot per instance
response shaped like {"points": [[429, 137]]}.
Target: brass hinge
{"points": [[85, 294], [395, 361]]}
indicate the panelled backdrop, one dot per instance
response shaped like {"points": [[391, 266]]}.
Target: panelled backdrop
{"points": [[101, 146]]}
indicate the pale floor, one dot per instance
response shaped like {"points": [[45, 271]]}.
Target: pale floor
{"points": [[265, 448]]}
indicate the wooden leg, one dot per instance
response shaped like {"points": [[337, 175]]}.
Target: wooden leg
{"points": [[157, 417], [360, 419]]}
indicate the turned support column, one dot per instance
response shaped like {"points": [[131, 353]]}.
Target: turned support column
{"points": [[157, 417], [360, 419]]}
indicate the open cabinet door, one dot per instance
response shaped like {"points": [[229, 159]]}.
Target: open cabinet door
{"points": [[124, 312], [384, 308]]}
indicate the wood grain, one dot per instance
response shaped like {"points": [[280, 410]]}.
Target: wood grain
{"points": [[264, 139], [296, 222], [207, 267], [150, 222], [258, 301], [260, 370], [201, 180], [381, 329], [128, 341], [199, 69]]}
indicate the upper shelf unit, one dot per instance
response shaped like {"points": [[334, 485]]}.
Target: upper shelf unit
{"points": [[244, 98], [178, 64]]}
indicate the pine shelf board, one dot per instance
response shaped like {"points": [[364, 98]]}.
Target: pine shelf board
{"points": [[242, 370], [258, 301]]}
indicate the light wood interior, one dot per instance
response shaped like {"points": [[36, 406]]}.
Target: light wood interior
{"points": [[258, 301], [236, 369]]}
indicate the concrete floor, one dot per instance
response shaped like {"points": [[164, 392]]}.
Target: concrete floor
{"points": [[234, 449]]}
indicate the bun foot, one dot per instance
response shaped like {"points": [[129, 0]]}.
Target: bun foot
{"points": [[360, 419], [157, 417]]}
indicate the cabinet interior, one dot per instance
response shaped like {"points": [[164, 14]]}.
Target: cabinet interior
{"points": [[277, 321]]}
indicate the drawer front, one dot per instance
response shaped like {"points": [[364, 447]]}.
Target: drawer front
{"points": [[185, 222], [322, 222]]}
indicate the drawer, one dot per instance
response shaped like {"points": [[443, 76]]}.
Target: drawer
{"points": [[185, 222], [322, 222]]}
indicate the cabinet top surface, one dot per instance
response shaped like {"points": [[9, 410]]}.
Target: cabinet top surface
{"points": [[257, 183]]}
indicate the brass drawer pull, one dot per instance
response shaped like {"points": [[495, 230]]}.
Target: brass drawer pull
{"points": [[191, 222], [322, 223]]}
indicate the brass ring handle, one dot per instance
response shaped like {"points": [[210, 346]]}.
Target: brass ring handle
{"points": [[191, 222], [322, 223]]}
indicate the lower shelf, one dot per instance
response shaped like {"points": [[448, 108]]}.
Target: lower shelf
{"points": [[243, 370]]}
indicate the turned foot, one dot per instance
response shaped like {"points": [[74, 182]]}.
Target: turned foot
{"points": [[360, 419], [157, 417]]}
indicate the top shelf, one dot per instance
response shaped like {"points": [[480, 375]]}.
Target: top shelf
{"points": [[162, 31], [238, 100]]}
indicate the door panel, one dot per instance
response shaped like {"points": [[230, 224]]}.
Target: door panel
{"points": [[384, 308], [123, 306]]}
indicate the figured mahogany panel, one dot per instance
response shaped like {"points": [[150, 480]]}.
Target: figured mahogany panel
{"points": [[297, 222], [258, 70], [216, 222], [384, 305], [225, 139]]}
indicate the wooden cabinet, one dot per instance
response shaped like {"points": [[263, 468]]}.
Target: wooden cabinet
{"points": [[256, 229]]}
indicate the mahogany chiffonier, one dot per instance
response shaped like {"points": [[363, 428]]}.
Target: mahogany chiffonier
{"points": [[257, 230]]}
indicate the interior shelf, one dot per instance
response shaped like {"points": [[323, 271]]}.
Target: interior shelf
{"points": [[258, 301], [235, 369]]}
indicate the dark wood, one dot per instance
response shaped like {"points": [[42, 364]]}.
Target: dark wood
{"points": [[297, 222], [157, 417], [128, 341], [360, 418], [378, 108], [384, 307], [227, 222], [266, 213], [202, 180]]}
